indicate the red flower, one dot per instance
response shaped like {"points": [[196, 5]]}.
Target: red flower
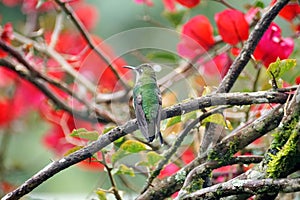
{"points": [[272, 45], [170, 4], [290, 11], [7, 111], [232, 26], [189, 3], [6, 34], [196, 37], [218, 65], [147, 2], [297, 81], [88, 63], [83, 10], [187, 156]]}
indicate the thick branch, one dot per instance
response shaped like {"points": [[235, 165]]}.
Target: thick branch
{"points": [[250, 134], [224, 149], [246, 187]]}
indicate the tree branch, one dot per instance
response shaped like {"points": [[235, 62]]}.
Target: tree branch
{"points": [[206, 168], [237, 140], [252, 187], [244, 56], [266, 124], [84, 32]]}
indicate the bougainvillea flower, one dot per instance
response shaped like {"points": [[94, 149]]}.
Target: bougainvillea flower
{"points": [[232, 26], [272, 46], [189, 3], [83, 10], [196, 37], [6, 35], [147, 2], [187, 156], [297, 80], [7, 111], [290, 11], [218, 65]]}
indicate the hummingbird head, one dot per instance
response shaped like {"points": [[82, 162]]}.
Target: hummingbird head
{"points": [[143, 70]]}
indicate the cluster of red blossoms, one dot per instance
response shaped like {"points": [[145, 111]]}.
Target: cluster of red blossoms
{"points": [[233, 27], [19, 96]]}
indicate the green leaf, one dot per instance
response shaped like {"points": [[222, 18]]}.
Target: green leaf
{"points": [[160, 55], [118, 155], [133, 146], [278, 68], [175, 17], [188, 116], [215, 118], [124, 170], [101, 194], [153, 158], [170, 122], [108, 128], [72, 150], [85, 134], [259, 4]]}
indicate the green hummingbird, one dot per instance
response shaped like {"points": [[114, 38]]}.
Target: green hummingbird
{"points": [[147, 102]]}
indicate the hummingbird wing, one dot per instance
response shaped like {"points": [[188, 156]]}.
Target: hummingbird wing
{"points": [[158, 118], [141, 118]]}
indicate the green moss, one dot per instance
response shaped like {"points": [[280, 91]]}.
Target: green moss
{"points": [[180, 176], [222, 155], [195, 185], [286, 158]]}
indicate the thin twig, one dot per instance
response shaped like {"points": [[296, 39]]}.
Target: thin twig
{"points": [[63, 63], [111, 178], [84, 32], [57, 29], [54, 98]]}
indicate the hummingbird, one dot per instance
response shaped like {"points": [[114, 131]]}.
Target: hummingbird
{"points": [[147, 102]]}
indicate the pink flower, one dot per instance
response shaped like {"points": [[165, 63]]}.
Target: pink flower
{"points": [[272, 46], [196, 37], [147, 2]]}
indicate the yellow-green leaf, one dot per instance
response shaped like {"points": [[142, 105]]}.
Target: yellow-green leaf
{"points": [[123, 169], [188, 116], [175, 17], [85, 134], [133, 146], [278, 68], [170, 122], [101, 194], [215, 118], [108, 128], [118, 155], [153, 158]]}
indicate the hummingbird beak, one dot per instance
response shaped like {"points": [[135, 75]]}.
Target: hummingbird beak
{"points": [[129, 67]]}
